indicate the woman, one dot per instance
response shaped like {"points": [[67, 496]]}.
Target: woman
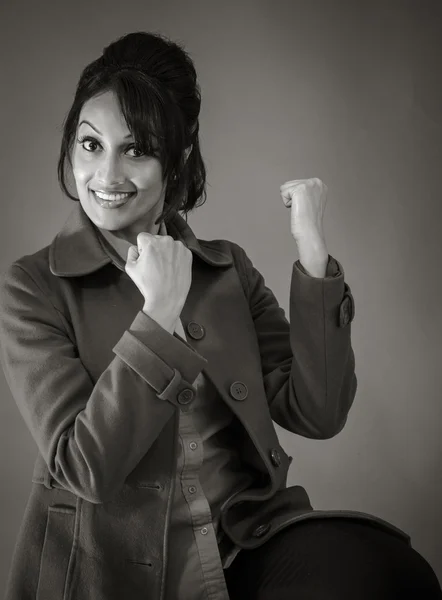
{"points": [[149, 364]]}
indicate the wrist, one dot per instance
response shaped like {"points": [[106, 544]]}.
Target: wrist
{"points": [[314, 263], [163, 319], [315, 269]]}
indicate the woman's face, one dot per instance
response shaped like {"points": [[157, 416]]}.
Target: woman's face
{"points": [[105, 162]]}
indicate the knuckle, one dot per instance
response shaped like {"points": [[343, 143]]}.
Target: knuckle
{"points": [[142, 237]]}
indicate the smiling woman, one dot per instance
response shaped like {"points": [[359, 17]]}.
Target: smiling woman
{"points": [[119, 187]]}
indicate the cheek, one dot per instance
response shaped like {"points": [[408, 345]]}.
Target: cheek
{"points": [[81, 170], [148, 179], [80, 175]]}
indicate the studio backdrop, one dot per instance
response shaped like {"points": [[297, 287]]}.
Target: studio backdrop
{"points": [[350, 92]]}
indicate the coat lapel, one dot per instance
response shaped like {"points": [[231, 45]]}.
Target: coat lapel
{"points": [[76, 249]]}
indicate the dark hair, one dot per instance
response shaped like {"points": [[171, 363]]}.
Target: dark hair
{"points": [[156, 85]]}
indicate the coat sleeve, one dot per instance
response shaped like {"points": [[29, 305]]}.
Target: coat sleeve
{"points": [[91, 436], [308, 365]]}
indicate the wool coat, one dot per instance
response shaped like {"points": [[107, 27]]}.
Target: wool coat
{"points": [[99, 385]]}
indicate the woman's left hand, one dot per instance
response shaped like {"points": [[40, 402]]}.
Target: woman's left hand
{"points": [[307, 199]]}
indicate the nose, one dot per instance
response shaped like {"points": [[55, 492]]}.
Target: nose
{"points": [[110, 173]]}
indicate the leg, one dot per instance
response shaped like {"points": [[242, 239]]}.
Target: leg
{"points": [[332, 559]]}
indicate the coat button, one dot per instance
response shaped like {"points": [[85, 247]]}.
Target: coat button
{"points": [[275, 457], [238, 390], [347, 308], [186, 396], [195, 330], [262, 530]]}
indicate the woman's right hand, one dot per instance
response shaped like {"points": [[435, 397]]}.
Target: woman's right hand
{"points": [[161, 268]]}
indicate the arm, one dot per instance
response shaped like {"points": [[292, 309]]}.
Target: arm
{"points": [[308, 365], [90, 436]]}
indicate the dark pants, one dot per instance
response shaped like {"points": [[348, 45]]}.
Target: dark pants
{"points": [[332, 559]]}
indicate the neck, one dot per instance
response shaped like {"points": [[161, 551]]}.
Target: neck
{"points": [[121, 242]]}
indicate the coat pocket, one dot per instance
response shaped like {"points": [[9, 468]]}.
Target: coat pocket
{"points": [[56, 552]]}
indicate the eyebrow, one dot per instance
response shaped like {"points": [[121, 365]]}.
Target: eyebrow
{"points": [[99, 132]]}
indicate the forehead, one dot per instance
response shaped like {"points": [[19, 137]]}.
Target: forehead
{"points": [[104, 112]]}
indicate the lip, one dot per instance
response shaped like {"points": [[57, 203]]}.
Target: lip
{"points": [[113, 203], [114, 191]]}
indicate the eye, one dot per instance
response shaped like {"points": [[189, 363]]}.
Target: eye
{"points": [[137, 150], [89, 140]]}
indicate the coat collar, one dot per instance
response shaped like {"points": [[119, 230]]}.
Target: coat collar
{"points": [[76, 249]]}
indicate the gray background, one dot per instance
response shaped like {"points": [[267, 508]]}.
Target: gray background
{"points": [[349, 92]]}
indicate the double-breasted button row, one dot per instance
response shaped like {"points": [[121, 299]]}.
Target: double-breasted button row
{"points": [[186, 396], [238, 389]]}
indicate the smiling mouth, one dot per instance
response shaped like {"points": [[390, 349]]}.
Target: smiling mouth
{"points": [[113, 196], [112, 200]]}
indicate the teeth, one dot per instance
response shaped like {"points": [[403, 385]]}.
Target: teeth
{"points": [[112, 196]]}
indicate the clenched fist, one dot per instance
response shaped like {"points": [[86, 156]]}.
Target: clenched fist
{"points": [[161, 268], [307, 199]]}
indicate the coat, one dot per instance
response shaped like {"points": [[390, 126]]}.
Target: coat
{"points": [[99, 384]]}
